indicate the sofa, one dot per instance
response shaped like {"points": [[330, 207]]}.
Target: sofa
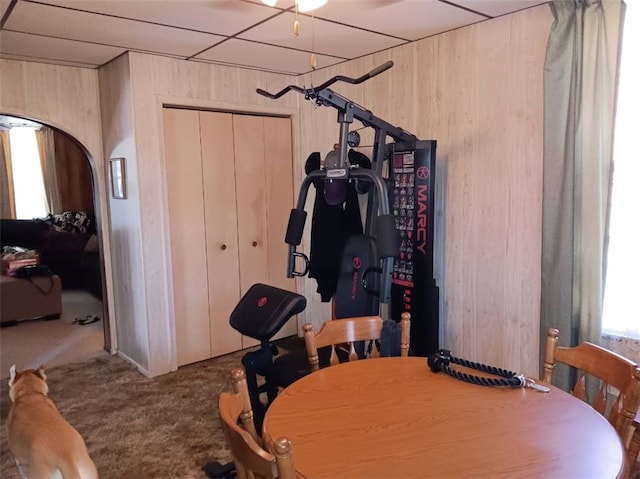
{"points": [[66, 243], [35, 298]]}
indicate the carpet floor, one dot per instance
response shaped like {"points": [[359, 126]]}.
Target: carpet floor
{"points": [[32, 343], [137, 427]]}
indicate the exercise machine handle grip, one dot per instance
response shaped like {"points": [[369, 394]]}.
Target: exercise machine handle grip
{"points": [[273, 96], [355, 81], [366, 284], [295, 227], [311, 92], [380, 69], [292, 263]]}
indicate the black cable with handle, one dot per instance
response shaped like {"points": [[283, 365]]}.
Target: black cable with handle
{"points": [[440, 362]]}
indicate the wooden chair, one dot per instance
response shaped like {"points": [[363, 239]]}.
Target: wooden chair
{"points": [[348, 331], [612, 370], [250, 459]]}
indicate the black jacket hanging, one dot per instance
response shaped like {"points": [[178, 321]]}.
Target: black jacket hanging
{"points": [[331, 226]]}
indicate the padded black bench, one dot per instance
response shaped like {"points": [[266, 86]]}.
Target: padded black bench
{"points": [[260, 314]]}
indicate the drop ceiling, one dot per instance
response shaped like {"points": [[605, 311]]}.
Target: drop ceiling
{"points": [[246, 33]]}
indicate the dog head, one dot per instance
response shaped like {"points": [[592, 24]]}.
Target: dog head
{"points": [[27, 381]]}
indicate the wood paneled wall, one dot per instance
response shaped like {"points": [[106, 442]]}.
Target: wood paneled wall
{"points": [[478, 92], [74, 175], [66, 98], [128, 250], [141, 84]]}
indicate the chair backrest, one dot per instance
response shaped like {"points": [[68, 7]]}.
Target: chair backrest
{"points": [[348, 331], [610, 368], [250, 459]]}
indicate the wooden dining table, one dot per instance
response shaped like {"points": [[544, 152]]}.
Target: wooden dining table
{"points": [[394, 418]]}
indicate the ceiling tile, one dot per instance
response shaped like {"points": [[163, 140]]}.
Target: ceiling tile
{"points": [[408, 19], [342, 29], [36, 46], [320, 36], [267, 57], [106, 30], [224, 17], [495, 8]]}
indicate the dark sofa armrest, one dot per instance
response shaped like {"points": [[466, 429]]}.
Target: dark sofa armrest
{"points": [[25, 233]]}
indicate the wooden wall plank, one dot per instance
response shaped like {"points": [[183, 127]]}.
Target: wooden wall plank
{"points": [[73, 173], [525, 139], [478, 92], [129, 288]]}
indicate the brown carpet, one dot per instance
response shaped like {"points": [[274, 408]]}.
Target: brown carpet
{"points": [[136, 427]]}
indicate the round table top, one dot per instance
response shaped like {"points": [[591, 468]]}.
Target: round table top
{"points": [[394, 418]]}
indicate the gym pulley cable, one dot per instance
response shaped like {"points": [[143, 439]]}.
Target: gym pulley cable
{"points": [[440, 362]]}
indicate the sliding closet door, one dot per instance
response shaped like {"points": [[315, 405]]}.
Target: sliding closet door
{"points": [[230, 191], [218, 167], [248, 140], [264, 192], [280, 199], [188, 247]]}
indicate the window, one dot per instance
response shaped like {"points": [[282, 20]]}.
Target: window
{"points": [[28, 184], [621, 314]]}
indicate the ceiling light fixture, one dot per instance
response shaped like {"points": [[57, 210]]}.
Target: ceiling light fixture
{"points": [[303, 5], [309, 5]]}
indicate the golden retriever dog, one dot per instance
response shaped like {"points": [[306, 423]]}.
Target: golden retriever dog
{"points": [[43, 443]]}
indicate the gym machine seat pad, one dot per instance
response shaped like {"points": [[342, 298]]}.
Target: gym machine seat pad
{"points": [[264, 309]]}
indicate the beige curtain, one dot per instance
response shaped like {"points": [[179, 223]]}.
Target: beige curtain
{"points": [[7, 200], [47, 150], [579, 104]]}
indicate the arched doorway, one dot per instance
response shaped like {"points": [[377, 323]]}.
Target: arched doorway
{"points": [[80, 262]]}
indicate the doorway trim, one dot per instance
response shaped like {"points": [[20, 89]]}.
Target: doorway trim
{"points": [[102, 226]]}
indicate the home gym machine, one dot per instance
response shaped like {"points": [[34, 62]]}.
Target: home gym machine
{"points": [[398, 235], [382, 227], [403, 233]]}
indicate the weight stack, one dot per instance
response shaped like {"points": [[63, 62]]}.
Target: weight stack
{"points": [[411, 198]]}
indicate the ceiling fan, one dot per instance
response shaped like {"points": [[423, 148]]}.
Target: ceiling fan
{"points": [[301, 5]]}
